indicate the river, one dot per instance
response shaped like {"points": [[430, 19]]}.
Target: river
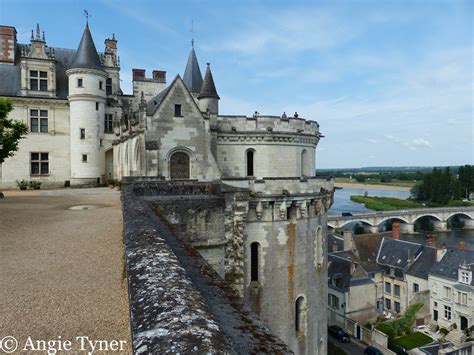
{"points": [[342, 203]]}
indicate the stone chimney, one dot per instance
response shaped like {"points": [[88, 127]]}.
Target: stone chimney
{"points": [[440, 251], [348, 241], [7, 44], [396, 230], [159, 75], [334, 246], [138, 74]]}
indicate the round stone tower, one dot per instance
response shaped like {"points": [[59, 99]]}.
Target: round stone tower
{"points": [[208, 98], [87, 98]]}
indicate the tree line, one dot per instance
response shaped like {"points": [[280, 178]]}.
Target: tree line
{"points": [[441, 185]]}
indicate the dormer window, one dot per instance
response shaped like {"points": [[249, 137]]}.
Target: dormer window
{"points": [[465, 276], [38, 80]]}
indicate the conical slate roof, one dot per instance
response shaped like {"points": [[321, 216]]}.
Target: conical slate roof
{"points": [[86, 54], [208, 89], [192, 75]]}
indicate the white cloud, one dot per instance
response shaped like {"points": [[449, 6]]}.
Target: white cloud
{"points": [[421, 142]]}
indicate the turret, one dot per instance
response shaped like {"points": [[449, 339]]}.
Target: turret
{"points": [[87, 98], [208, 98]]}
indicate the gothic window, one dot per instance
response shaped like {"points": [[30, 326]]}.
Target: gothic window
{"points": [[250, 158], [300, 316], [108, 124], [179, 166], [39, 121], [108, 86], [38, 80], [254, 251], [39, 163]]}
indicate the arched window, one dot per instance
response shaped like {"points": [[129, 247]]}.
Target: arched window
{"points": [[254, 249], [179, 166], [250, 156], [300, 316]]}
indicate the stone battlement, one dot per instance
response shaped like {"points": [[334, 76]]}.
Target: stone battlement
{"points": [[236, 124]]}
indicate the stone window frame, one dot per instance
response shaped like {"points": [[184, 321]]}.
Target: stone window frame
{"points": [[38, 79], [82, 133], [319, 248], [108, 86], [388, 303], [396, 290], [396, 306], [178, 110], [108, 123], [333, 301], [255, 254], [447, 312], [84, 158], [416, 287], [300, 316], [41, 117], [254, 153], [81, 82], [387, 287], [42, 160]]}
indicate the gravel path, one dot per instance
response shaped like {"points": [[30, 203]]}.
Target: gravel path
{"points": [[61, 270]]}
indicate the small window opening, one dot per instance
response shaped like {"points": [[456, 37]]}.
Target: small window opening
{"points": [[84, 158], [250, 163], [83, 133], [177, 110], [108, 86], [299, 305], [254, 261], [97, 106], [79, 83], [100, 85]]}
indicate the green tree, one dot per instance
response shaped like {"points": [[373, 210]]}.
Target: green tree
{"points": [[11, 131]]}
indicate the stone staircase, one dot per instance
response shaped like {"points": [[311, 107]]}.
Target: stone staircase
{"points": [[431, 327], [456, 336]]}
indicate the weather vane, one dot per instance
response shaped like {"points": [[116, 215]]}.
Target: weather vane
{"points": [[192, 33], [86, 13]]}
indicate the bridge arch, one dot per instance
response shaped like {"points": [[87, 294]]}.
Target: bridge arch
{"points": [[363, 221], [402, 219], [427, 215], [465, 214]]}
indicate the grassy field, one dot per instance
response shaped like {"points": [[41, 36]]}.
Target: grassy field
{"points": [[413, 340], [406, 183], [385, 203]]}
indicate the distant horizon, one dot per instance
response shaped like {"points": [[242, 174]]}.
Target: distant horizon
{"points": [[398, 167], [387, 81]]}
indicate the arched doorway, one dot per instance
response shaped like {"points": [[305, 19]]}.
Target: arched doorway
{"points": [[179, 166]]}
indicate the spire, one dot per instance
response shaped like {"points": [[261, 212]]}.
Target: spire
{"points": [[192, 75], [86, 55], [208, 88]]}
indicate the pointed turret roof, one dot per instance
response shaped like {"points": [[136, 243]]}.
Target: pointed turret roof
{"points": [[192, 75], [86, 54], [208, 89]]}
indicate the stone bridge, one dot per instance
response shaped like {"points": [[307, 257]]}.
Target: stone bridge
{"points": [[440, 217]]}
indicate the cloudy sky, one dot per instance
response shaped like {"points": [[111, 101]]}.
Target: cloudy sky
{"points": [[390, 82]]}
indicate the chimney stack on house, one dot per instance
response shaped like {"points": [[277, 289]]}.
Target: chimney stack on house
{"points": [[7, 44], [430, 241], [440, 251], [396, 230], [348, 242]]}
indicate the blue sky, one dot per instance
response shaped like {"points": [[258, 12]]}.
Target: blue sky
{"points": [[390, 82]]}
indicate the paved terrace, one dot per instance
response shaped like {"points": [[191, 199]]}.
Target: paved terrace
{"points": [[61, 270]]}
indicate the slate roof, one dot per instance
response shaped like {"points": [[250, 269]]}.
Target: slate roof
{"points": [[339, 269], [192, 75], [423, 264], [448, 266], [155, 102], [397, 253], [86, 54], [11, 75], [367, 246], [208, 89]]}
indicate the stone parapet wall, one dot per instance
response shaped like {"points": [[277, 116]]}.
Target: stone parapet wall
{"points": [[266, 124], [178, 303]]}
